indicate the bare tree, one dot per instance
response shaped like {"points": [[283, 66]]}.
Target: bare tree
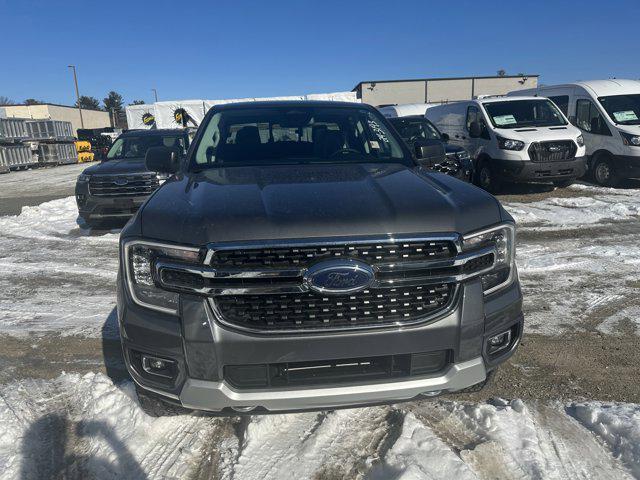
{"points": [[6, 100], [502, 72]]}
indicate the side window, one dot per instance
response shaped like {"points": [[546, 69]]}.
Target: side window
{"points": [[472, 116], [562, 102], [589, 119]]}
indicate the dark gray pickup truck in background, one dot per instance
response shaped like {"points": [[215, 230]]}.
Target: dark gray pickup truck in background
{"points": [[300, 259]]}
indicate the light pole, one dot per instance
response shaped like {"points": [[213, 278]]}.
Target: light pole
{"points": [[75, 80], [155, 93]]}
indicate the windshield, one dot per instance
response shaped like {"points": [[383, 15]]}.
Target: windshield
{"points": [[136, 147], [622, 109], [412, 129], [524, 113], [295, 135]]}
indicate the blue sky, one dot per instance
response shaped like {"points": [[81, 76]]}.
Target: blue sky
{"points": [[216, 49]]}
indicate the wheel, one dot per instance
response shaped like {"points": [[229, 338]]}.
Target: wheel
{"points": [[479, 386], [153, 406], [604, 172], [487, 179], [564, 183]]}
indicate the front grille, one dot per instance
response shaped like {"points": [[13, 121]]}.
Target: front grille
{"points": [[309, 310], [300, 257], [123, 185], [557, 151]]}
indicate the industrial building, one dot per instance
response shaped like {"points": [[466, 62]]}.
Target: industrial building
{"points": [[51, 111], [439, 90]]}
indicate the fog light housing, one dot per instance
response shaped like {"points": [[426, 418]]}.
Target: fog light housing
{"points": [[499, 342], [160, 367]]}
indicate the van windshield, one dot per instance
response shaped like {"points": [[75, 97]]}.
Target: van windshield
{"points": [[622, 109], [295, 135], [524, 113]]}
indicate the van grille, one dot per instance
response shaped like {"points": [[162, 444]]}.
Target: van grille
{"points": [[123, 185], [557, 151]]}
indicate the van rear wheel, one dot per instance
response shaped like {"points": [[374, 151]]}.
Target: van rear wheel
{"points": [[487, 179]]}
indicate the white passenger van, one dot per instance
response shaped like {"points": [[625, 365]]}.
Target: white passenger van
{"points": [[608, 113], [514, 139]]}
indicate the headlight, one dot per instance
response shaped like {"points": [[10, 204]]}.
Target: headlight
{"points": [[139, 262], [630, 140], [502, 237], [580, 141], [83, 177], [162, 177], [507, 144]]}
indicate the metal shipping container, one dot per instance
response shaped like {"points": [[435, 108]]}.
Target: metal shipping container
{"points": [[52, 130], [12, 129], [57, 153], [15, 157]]}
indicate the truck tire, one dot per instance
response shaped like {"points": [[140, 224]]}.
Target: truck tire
{"points": [[604, 173], [487, 179], [155, 407]]}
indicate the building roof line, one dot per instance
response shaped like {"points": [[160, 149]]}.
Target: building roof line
{"points": [[444, 78]]}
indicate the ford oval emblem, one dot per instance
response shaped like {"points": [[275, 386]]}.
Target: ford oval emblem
{"points": [[121, 182], [339, 276]]}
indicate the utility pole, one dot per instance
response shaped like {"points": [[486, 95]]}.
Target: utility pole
{"points": [[75, 80], [155, 93]]}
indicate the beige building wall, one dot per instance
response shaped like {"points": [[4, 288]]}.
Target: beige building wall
{"points": [[381, 93], [502, 86], [449, 90], [92, 118]]}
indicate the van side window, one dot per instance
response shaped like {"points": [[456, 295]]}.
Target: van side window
{"points": [[562, 102], [589, 119], [474, 115]]}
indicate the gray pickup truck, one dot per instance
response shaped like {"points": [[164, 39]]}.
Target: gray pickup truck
{"points": [[300, 258]]}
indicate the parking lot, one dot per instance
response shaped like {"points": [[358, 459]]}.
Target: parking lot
{"points": [[66, 391]]}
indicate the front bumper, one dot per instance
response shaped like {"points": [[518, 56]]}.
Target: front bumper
{"points": [[202, 347], [96, 209], [527, 171]]}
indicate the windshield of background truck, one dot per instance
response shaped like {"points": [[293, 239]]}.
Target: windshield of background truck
{"points": [[295, 135], [524, 113], [415, 129], [136, 147], [622, 109]]}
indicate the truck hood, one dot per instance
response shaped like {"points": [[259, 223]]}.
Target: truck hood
{"points": [[111, 167], [304, 201], [539, 134]]}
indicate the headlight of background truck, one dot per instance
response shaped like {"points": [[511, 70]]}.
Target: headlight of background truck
{"points": [[139, 259], [83, 177], [503, 238], [580, 141]]}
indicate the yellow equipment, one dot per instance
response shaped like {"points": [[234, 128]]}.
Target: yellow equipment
{"points": [[85, 157]]}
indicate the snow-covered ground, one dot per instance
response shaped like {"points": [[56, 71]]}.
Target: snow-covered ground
{"points": [[87, 427]]}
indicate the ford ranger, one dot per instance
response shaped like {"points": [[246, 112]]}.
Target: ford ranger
{"points": [[300, 258]]}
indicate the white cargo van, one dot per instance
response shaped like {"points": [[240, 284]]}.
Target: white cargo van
{"points": [[608, 113], [514, 139]]}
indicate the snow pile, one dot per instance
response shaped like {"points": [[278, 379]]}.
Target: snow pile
{"points": [[86, 427], [55, 276], [602, 204]]}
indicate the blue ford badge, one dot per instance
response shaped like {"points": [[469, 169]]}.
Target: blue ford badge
{"points": [[339, 276]]}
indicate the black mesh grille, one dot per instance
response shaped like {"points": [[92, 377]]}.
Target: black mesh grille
{"points": [[552, 151], [374, 307], [371, 253], [123, 185]]}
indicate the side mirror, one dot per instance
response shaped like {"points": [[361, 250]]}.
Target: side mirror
{"points": [[162, 159], [475, 131], [445, 137], [430, 152]]}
